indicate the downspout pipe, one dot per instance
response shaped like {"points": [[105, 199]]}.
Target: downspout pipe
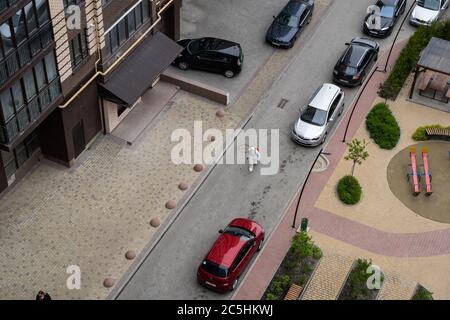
{"points": [[118, 60]]}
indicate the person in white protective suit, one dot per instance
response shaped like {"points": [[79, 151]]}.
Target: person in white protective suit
{"points": [[253, 157]]}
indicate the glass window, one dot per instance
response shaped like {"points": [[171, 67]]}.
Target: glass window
{"points": [[7, 40], [7, 105], [9, 163], [31, 18], [138, 14], [40, 75], [215, 269], [21, 154], [19, 27], [314, 116], [145, 9], [30, 85], [131, 22], [42, 11], [50, 66], [122, 26], [17, 94]]}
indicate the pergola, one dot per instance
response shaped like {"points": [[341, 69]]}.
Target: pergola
{"points": [[434, 62]]}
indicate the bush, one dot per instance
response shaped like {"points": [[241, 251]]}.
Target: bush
{"points": [[422, 294], [421, 135], [278, 287], [383, 127], [410, 55], [355, 287], [349, 190]]}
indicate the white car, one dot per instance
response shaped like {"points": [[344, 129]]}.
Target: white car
{"points": [[426, 12], [318, 117]]}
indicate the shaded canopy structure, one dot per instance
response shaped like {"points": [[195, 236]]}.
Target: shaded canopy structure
{"points": [[434, 62]]}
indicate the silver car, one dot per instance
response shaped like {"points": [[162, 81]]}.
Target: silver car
{"points": [[426, 12], [318, 117]]}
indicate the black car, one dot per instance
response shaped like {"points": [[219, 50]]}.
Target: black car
{"points": [[290, 21], [356, 62], [381, 19], [210, 54]]}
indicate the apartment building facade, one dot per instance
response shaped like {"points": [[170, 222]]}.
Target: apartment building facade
{"points": [[73, 69]]}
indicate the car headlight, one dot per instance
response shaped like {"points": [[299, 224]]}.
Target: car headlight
{"points": [[335, 72], [385, 28]]}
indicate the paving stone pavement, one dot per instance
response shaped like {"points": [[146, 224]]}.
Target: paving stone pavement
{"points": [[328, 278], [91, 214], [396, 288]]}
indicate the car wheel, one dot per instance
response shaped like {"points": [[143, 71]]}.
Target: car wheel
{"points": [[309, 19], [340, 112], [376, 58], [183, 65], [228, 74], [235, 284], [260, 245]]}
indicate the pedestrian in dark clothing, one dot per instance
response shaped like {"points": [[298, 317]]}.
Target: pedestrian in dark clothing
{"points": [[43, 296]]}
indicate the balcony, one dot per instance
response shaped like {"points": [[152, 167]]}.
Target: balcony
{"points": [[25, 52], [30, 112]]}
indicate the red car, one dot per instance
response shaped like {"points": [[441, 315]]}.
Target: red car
{"points": [[230, 254]]}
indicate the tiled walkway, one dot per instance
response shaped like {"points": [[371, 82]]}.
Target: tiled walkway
{"points": [[396, 288], [328, 278]]}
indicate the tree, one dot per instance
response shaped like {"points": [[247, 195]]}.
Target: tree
{"points": [[357, 152]]}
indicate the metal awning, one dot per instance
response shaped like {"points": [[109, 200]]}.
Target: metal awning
{"points": [[436, 56], [141, 68]]}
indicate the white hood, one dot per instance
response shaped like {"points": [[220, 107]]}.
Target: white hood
{"points": [[424, 14], [308, 131]]}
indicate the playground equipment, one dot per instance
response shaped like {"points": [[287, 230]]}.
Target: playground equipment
{"points": [[426, 172], [413, 176]]}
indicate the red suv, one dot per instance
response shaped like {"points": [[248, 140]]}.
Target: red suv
{"points": [[230, 254]]}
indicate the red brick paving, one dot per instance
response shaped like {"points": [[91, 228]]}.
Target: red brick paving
{"points": [[357, 234]]}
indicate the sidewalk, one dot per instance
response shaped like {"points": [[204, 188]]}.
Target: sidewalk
{"points": [[92, 214], [338, 228]]}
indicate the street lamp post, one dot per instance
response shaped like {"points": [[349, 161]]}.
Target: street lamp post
{"points": [[304, 184]]}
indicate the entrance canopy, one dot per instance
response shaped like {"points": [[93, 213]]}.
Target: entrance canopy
{"points": [[141, 68]]}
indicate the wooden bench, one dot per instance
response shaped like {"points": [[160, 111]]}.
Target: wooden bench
{"points": [[438, 132], [293, 292]]}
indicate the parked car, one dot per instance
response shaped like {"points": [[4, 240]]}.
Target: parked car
{"points": [[381, 23], [211, 54], [426, 12], [230, 254], [287, 25], [356, 62], [318, 117]]}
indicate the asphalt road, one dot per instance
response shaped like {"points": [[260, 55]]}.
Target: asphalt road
{"points": [[169, 272], [244, 22]]}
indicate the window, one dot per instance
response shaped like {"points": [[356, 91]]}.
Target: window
{"points": [[25, 99], [78, 49], [23, 36], [126, 27], [16, 158], [334, 105], [215, 269]]}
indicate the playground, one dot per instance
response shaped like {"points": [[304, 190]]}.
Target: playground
{"points": [[419, 176]]}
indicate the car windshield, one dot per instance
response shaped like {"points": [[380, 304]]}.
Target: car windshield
{"points": [[239, 232], [288, 20], [387, 11], [314, 116], [215, 269], [353, 56], [430, 4]]}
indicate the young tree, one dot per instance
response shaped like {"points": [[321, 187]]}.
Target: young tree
{"points": [[357, 152]]}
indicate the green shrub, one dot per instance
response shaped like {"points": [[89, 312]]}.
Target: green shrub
{"points": [[421, 135], [356, 286], [349, 190], [410, 55], [383, 127], [422, 294], [303, 247], [278, 287]]}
